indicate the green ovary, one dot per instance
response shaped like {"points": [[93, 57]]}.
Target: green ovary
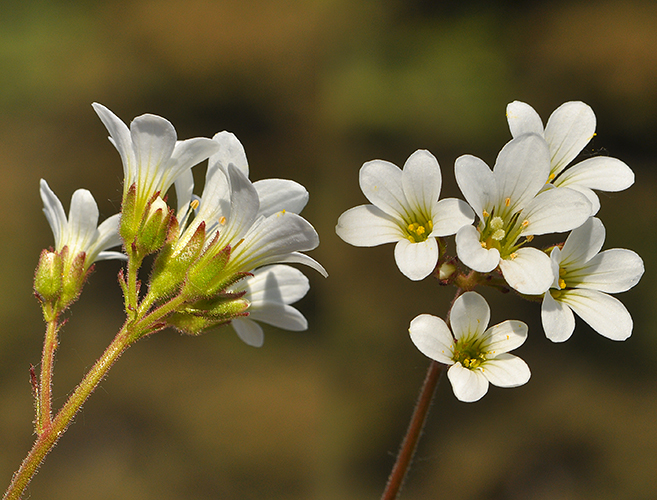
{"points": [[469, 354], [417, 232]]}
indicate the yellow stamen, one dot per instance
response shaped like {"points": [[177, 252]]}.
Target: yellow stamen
{"points": [[194, 204], [507, 202]]}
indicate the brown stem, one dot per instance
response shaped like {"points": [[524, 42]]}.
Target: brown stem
{"points": [[396, 479]]}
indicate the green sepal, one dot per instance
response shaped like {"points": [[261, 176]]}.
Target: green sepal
{"points": [[207, 313], [48, 277], [155, 228], [73, 277], [169, 270], [206, 277], [130, 219]]}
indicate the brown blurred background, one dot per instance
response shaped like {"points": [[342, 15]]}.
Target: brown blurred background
{"points": [[313, 90]]}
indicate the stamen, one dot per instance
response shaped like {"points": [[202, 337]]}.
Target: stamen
{"points": [[194, 204], [507, 202]]}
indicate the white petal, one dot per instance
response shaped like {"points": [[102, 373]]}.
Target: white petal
{"points": [[469, 316], [368, 226], [521, 170], [449, 216], [472, 254], [468, 385], [300, 258], [570, 127], [110, 255], [530, 272], [505, 336], [184, 185], [601, 173], [82, 220], [506, 370], [416, 260], [432, 337], [153, 140], [280, 194], [230, 151], [185, 155], [557, 318], [421, 181], [108, 234], [281, 316], [583, 243], [611, 271], [120, 137], [249, 331], [477, 183], [271, 240], [555, 211], [381, 183], [523, 119], [54, 212], [278, 283], [604, 313], [244, 204]]}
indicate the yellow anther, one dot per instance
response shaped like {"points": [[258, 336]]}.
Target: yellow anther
{"points": [[513, 256], [551, 177], [530, 237], [485, 214], [194, 204], [525, 223], [222, 220], [562, 283], [483, 244], [507, 202]]}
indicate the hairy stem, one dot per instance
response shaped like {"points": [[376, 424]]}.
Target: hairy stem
{"points": [[51, 433], [409, 445]]}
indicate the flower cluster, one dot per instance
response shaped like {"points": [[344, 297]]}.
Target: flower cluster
{"points": [[531, 190], [219, 258]]}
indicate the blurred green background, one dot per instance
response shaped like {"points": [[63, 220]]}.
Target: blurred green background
{"points": [[314, 89]]}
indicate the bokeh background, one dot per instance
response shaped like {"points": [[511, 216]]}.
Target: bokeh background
{"points": [[314, 89]]}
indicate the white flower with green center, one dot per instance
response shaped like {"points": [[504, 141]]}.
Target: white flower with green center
{"points": [[81, 232], [152, 156], [584, 278], [569, 129], [478, 355], [405, 209], [269, 292], [512, 210]]}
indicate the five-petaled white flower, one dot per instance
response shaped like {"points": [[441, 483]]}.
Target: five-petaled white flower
{"points": [[569, 129], [81, 232], [152, 156], [269, 292], [405, 209], [477, 355], [512, 210], [584, 277]]}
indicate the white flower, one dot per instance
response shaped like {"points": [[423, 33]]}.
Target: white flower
{"points": [[584, 278], [512, 209], [152, 156], [231, 210], [269, 292], [405, 209], [478, 356], [81, 232], [569, 129]]}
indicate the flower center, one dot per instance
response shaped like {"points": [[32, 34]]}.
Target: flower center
{"points": [[502, 232], [416, 232], [469, 354]]}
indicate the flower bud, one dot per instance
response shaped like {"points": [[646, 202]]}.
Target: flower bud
{"points": [[48, 277]]}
